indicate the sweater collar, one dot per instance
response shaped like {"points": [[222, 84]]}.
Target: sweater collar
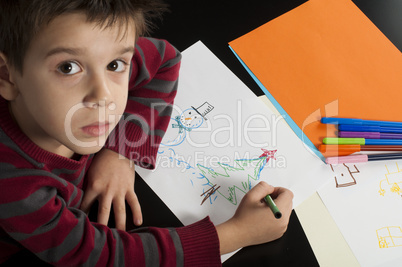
{"points": [[27, 148]]}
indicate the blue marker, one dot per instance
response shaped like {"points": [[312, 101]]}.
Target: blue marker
{"points": [[361, 122]]}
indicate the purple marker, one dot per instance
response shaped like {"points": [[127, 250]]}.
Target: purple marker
{"points": [[369, 135]]}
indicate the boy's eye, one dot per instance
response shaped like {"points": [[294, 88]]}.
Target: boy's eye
{"points": [[117, 66], [69, 68]]}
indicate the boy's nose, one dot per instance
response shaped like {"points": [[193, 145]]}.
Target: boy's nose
{"points": [[99, 94]]}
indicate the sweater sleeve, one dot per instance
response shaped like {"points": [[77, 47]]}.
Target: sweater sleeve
{"points": [[42, 216], [152, 89]]}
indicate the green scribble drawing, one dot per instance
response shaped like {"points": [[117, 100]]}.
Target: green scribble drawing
{"points": [[390, 236], [227, 176]]}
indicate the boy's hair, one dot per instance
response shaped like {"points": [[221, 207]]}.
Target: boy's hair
{"points": [[20, 20]]}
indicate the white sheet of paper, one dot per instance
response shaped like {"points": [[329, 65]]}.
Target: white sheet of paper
{"points": [[368, 213], [210, 155]]}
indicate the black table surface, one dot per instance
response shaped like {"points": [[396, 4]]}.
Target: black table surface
{"points": [[216, 23]]}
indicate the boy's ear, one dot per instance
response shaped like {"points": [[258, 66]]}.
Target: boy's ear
{"points": [[8, 89]]}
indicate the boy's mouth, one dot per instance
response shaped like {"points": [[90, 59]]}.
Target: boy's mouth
{"points": [[96, 129]]}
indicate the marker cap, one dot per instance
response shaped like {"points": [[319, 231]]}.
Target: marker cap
{"points": [[334, 120], [370, 135], [343, 141], [338, 150], [363, 128], [359, 128], [347, 159]]}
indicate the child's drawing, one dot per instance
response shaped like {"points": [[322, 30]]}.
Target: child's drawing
{"points": [[191, 118], [234, 180], [390, 236], [344, 175], [392, 182], [229, 182], [210, 192]]}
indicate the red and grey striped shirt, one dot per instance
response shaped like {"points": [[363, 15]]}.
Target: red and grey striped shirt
{"points": [[41, 192]]}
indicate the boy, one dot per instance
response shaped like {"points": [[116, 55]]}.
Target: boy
{"points": [[76, 80]]}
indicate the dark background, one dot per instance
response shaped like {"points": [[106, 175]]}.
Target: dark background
{"points": [[216, 23]]}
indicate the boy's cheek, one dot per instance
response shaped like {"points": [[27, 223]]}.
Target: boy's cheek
{"points": [[121, 106]]}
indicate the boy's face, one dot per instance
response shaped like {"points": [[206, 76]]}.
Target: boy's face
{"points": [[74, 85]]}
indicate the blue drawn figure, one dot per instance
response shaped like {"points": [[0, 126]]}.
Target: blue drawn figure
{"points": [[189, 119], [179, 137], [231, 181]]}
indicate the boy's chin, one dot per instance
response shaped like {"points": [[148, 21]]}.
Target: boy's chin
{"points": [[87, 150]]}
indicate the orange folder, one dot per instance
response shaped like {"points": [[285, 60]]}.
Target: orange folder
{"points": [[325, 58]]}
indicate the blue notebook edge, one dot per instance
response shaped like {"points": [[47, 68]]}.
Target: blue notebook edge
{"points": [[296, 129]]}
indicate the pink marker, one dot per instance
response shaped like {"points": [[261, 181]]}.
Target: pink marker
{"points": [[362, 158], [346, 159]]}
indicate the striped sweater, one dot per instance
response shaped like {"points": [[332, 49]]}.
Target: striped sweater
{"points": [[41, 192]]}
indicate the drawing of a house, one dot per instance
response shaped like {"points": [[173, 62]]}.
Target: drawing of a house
{"points": [[392, 182], [390, 236], [344, 175]]}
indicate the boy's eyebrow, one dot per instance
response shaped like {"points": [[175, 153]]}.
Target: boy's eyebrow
{"points": [[129, 49], [77, 51], [59, 50]]}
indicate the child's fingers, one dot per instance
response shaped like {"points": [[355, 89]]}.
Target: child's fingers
{"points": [[135, 206], [283, 192], [104, 210], [88, 200], [283, 199], [260, 190], [119, 208]]}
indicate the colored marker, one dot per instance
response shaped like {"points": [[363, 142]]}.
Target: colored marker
{"points": [[363, 158], [360, 122], [344, 150], [360, 128], [360, 141], [270, 202], [369, 135]]}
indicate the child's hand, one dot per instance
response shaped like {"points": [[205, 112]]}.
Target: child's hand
{"points": [[111, 181], [254, 222]]}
